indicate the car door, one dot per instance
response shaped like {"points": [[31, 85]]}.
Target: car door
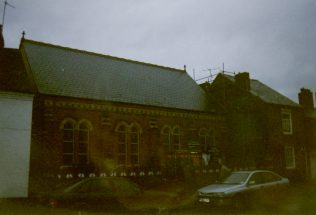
{"points": [[255, 187], [265, 185], [273, 186]]}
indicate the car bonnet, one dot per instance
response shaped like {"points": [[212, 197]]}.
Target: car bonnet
{"points": [[219, 188]]}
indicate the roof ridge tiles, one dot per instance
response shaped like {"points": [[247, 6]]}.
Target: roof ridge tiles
{"points": [[100, 55]]}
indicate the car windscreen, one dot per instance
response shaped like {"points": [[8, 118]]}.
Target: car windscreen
{"points": [[236, 178]]}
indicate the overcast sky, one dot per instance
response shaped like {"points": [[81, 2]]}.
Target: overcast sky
{"points": [[273, 40]]}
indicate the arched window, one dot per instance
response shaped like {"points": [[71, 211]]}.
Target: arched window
{"points": [[128, 143], [134, 134], [171, 137], [83, 143], [206, 139], [68, 128], [76, 137], [176, 138], [166, 134], [121, 130]]}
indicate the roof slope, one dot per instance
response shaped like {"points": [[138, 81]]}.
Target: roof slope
{"points": [[266, 93], [13, 76], [73, 73]]}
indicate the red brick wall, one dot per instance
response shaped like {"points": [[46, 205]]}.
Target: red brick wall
{"points": [[49, 113]]}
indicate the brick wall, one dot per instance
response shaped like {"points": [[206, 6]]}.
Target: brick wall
{"points": [[47, 140]]}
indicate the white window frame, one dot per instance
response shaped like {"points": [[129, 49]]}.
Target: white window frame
{"points": [[70, 141], [287, 126], [207, 139], [122, 131], [134, 129], [82, 130], [289, 156], [166, 133], [131, 146], [76, 132], [176, 138]]}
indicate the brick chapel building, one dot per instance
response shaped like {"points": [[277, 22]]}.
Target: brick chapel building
{"points": [[102, 115]]}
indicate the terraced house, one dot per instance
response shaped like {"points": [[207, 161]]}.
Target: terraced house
{"points": [[266, 128]]}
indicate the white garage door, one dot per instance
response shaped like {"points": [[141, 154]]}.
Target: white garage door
{"points": [[15, 139]]}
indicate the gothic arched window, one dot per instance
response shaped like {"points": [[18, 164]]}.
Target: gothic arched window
{"points": [[134, 134], [68, 128], [176, 138], [75, 137], [83, 143], [206, 139], [166, 134], [121, 130], [171, 137]]}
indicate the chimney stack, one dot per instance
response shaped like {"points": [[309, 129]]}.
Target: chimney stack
{"points": [[1, 38], [305, 98], [243, 81]]}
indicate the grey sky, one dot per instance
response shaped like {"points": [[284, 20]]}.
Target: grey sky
{"points": [[275, 41]]}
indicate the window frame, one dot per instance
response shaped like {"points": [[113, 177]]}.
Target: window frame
{"points": [[171, 136], [176, 134], [166, 133], [129, 132], [72, 153], [136, 143], [207, 139], [87, 142], [76, 141], [289, 155], [122, 129], [287, 123]]}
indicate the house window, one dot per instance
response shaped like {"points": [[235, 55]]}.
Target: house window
{"points": [[75, 141], [289, 156], [128, 143], [68, 142], [286, 122]]}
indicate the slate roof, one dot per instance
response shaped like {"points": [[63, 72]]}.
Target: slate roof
{"points": [[69, 72], [13, 75], [266, 93]]}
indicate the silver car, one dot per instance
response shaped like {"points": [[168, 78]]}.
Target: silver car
{"points": [[243, 188]]}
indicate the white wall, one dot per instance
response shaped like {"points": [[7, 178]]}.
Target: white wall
{"points": [[15, 141]]}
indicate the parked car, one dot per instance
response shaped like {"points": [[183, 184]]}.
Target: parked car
{"points": [[94, 193], [242, 189]]}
